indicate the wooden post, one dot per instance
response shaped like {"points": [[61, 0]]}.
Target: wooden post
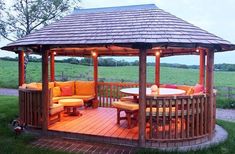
{"points": [[52, 67], [142, 97], [209, 89], [202, 68], [157, 68], [21, 68], [45, 91], [95, 65]]}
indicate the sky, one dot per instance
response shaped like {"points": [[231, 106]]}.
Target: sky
{"points": [[215, 16]]}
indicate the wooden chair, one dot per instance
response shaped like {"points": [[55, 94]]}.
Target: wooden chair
{"points": [[131, 110], [55, 110]]}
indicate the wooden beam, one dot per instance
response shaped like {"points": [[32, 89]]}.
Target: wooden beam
{"points": [[52, 67], [95, 64], [157, 68], [21, 68], [142, 97], [202, 68], [45, 91], [209, 90]]}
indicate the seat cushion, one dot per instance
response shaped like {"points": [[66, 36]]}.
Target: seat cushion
{"points": [[67, 83], [126, 105], [38, 86], [170, 86], [71, 102], [84, 97], [50, 85], [160, 110], [56, 108], [85, 87], [56, 91], [33, 86], [189, 89]]}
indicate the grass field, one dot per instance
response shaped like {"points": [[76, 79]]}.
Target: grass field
{"points": [[21, 145], [9, 74]]}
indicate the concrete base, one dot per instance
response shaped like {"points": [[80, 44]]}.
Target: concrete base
{"points": [[220, 136]]}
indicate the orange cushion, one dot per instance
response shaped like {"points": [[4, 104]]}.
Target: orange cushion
{"points": [[56, 92], [67, 83], [190, 91], [171, 86], [50, 85], [66, 91], [33, 86], [85, 87], [198, 88]]}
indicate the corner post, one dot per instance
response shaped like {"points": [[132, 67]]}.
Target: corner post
{"points": [[95, 65], [202, 68], [157, 68], [209, 90], [21, 68], [52, 67], [142, 97], [45, 90]]}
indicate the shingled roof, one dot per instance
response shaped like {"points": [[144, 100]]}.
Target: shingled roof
{"points": [[122, 25]]}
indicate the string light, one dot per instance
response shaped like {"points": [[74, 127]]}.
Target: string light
{"points": [[93, 54], [54, 53], [197, 50], [157, 53]]}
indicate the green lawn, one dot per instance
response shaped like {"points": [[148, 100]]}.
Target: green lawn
{"points": [[9, 74], [10, 145]]}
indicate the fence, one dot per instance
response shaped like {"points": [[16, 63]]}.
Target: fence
{"points": [[223, 92]]}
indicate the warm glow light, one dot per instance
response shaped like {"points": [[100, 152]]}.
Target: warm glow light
{"points": [[54, 53], [93, 54], [197, 50], [157, 53]]}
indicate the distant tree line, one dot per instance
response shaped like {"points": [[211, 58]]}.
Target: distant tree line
{"points": [[113, 62]]}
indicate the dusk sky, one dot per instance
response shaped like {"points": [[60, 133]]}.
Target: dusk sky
{"points": [[215, 16]]}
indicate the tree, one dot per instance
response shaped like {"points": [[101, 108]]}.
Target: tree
{"points": [[26, 16], [1, 10]]}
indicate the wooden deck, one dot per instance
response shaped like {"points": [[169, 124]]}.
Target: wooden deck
{"points": [[97, 122]]}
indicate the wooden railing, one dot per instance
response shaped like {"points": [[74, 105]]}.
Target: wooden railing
{"points": [[30, 105], [109, 92], [177, 118]]}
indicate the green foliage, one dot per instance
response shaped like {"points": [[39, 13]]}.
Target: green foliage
{"points": [[225, 103], [8, 143], [9, 74], [114, 62], [25, 16]]}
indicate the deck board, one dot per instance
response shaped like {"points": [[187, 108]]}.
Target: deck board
{"points": [[98, 122]]}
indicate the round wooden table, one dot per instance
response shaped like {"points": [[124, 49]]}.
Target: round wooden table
{"points": [[162, 92], [73, 104]]}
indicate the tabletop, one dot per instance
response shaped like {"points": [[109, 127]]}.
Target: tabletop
{"points": [[162, 91]]}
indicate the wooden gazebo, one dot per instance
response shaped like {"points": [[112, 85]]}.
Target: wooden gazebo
{"points": [[142, 30]]}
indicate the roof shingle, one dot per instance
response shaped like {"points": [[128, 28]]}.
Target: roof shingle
{"points": [[131, 24]]}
